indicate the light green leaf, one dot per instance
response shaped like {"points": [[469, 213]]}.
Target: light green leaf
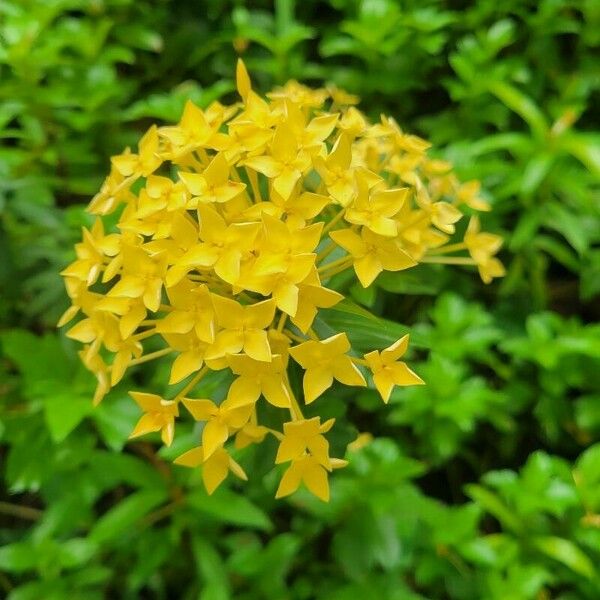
{"points": [[494, 505], [18, 557], [120, 519], [365, 331], [567, 553], [228, 507], [63, 412], [520, 103]]}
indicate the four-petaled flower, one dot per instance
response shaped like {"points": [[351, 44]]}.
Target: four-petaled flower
{"points": [[388, 371], [159, 415], [324, 361]]}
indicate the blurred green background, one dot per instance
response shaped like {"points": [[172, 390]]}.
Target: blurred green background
{"points": [[484, 484]]}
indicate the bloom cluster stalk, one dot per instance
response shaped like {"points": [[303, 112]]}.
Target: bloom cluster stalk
{"points": [[230, 227]]}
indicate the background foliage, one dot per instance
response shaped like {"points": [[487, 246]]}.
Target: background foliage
{"points": [[483, 484]]}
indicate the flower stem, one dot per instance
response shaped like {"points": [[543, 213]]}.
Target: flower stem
{"points": [[448, 260], [253, 178], [192, 383], [333, 222], [151, 356]]}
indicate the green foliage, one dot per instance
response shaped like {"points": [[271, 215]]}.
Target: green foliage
{"points": [[483, 484]]}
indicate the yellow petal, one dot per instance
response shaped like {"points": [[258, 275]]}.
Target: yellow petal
{"points": [[201, 410], [147, 424], [349, 241], [214, 435], [403, 375], [315, 382], [168, 432], [266, 165], [275, 391], [67, 315], [227, 267], [128, 287], [285, 182], [319, 448], [289, 482], [396, 350], [152, 294], [286, 297], [177, 321], [242, 79], [131, 321], [346, 372], [230, 314], [256, 345], [315, 478], [119, 366], [147, 402], [185, 364], [259, 315], [290, 448], [191, 458], [244, 390], [84, 332], [194, 182], [384, 383], [237, 470], [367, 268], [215, 470]]}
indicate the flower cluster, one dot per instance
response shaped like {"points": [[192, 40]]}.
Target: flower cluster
{"points": [[230, 226]]}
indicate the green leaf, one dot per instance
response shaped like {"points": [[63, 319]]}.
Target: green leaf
{"points": [[520, 103], [115, 419], [76, 552], [64, 412], [18, 557], [365, 331], [492, 504], [40, 359], [585, 147], [228, 507], [121, 518], [110, 469], [567, 553], [211, 568], [564, 221]]}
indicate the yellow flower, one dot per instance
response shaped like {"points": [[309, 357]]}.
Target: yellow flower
{"points": [[250, 434], [90, 254], [256, 377], [388, 371], [144, 163], [285, 164], [304, 436], [213, 185], [242, 328], [221, 420], [481, 245], [372, 253], [142, 277], [159, 415], [192, 310], [214, 469], [227, 230], [194, 131], [308, 470], [221, 248], [335, 170], [312, 296], [374, 209], [324, 361]]}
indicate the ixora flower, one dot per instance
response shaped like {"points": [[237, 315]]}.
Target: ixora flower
{"points": [[229, 228]]}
